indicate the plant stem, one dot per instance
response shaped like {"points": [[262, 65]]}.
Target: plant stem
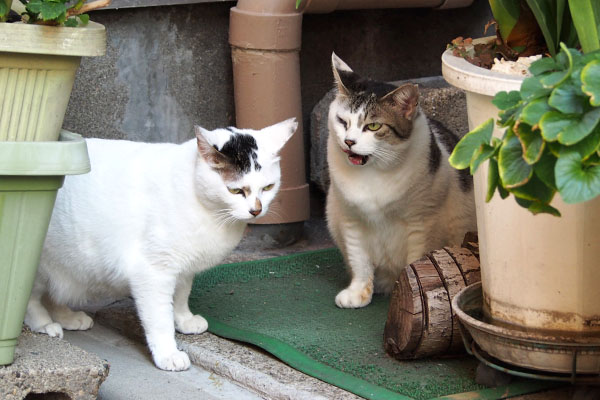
{"points": [[88, 7]]}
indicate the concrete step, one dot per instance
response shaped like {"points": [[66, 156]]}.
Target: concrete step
{"points": [[133, 376], [50, 365], [233, 362]]}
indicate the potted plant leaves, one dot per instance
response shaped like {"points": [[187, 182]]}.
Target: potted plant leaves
{"points": [[39, 57], [539, 247]]}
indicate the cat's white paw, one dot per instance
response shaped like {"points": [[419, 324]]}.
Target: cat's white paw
{"points": [[77, 321], [175, 361], [351, 298], [193, 325], [53, 330]]}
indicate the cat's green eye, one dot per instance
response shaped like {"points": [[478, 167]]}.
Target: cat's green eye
{"points": [[235, 191], [268, 187], [374, 126]]}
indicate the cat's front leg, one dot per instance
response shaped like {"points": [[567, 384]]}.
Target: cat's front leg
{"points": [[185, 321], [37, 316], [360, 291], [153, 291]]}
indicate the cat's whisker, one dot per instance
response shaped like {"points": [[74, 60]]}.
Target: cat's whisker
{"points": [[230, 221], [275, 214], [222, 222], [223, 217], [274, 210], [386, 153], [387, 156]]}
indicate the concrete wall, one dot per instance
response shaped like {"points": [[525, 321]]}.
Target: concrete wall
{"points": [[168, 67]]}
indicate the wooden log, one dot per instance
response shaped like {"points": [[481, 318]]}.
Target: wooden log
{"points": [[467, 262], [454, 282], [420, 320], [412, 331], [437, 329], [471, 242], [407, 312]]}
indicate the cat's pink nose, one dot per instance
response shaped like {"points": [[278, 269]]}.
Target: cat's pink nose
{"points": [[255, 212], [349, 142]]}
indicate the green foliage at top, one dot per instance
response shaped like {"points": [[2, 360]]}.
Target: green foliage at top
{"points": [[506, 13], [586, 18], [551, 141], [527, 27], [54, 12], [4, 10]]}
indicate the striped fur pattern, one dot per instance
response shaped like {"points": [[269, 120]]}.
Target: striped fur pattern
{"points": [[393, 196]]}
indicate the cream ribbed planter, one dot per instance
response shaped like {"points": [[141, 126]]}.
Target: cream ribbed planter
{"points": [[539, 273], [37, 70]]}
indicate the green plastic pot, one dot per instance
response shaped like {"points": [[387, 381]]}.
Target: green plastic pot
{"points": [[38, 65], [30, 175]]}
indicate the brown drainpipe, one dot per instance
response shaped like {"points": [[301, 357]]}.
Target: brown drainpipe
{"points": [[265, 38]]}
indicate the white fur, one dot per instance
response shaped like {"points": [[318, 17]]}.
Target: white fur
{"points": [[390, 211], [143, 222]]}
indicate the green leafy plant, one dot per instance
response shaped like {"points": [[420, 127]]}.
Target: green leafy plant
{"points": [[528, 27], [552, 138], [531, 27], [55, 12], [4, 9]]}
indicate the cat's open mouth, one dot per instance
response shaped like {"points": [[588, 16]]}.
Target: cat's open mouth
{"points": [[356, 159]]}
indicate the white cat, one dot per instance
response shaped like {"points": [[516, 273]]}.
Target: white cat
{"points": [[145, 220], [393, 196]]}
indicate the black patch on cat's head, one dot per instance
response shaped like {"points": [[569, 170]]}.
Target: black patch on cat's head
{"points": [[240, 149], [363, 91]]}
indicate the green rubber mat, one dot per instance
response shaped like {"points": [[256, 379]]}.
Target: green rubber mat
{"points": [[285, 305]]}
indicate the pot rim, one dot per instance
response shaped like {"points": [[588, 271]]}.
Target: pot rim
{"points": [[88, 40], [68, 156], [460, 73], [504, 332]]}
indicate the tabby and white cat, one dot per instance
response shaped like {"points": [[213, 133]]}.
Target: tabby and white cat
{"points": [[145, 220], [393, 196]]}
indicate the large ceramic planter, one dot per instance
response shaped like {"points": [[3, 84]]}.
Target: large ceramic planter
{"points": [[37, 70], [30, 175], [539, 273]]}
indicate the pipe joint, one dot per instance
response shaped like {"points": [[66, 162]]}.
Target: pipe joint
{"points": [[260, 31]]}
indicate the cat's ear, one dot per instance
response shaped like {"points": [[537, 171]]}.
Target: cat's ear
{"points": [[405, 99], [210, 152], [340, 68], [274, 137]]}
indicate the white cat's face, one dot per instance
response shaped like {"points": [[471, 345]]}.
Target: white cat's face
{"points": [[250, 196], [241, 167], [372, 121]]}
